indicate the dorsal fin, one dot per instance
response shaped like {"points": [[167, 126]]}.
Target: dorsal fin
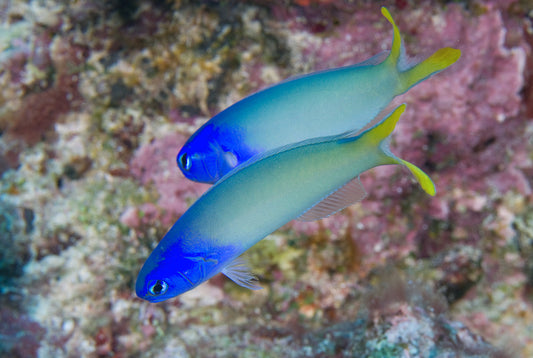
{"points": [[350, 193], [374, 60]]}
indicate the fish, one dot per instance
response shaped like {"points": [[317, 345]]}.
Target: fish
{"points": [[319, 104], [307, 181]]}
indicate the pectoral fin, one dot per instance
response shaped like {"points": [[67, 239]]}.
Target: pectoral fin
{"points": [[350, 193], [239, 272], [231, 159]]}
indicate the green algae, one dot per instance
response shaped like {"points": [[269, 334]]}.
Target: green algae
{"points": [[101, 197], [383, 349], [8, 34], [14, 254], [274, 252]]}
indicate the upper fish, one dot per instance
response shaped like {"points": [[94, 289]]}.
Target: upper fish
{"points": [[319, 104], [308, 180]]}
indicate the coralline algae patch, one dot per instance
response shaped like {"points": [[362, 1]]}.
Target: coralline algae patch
{"points": [[176, 193], [97, 99]]}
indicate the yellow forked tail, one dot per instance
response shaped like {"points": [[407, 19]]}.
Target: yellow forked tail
{"points": [[425, 181], [381, 131], [441, 59], [379, 136]]}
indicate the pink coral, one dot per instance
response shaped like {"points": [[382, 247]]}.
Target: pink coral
{"points": [[42, 108], [463, 110], [462, 126], [20, 336], [155, 164]]}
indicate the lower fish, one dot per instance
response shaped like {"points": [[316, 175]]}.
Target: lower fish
{"points": [[306, 181]]}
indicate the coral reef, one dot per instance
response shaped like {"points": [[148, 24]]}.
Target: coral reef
{"points": [[98, 97], [175, 192]]}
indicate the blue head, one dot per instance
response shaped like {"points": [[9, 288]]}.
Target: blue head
{"points": [[178, 264], [169, 273], [209, 154], [158, 282]]}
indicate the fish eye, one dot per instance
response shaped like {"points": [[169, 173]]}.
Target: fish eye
{"points": [[158, 288], [185, 161]]}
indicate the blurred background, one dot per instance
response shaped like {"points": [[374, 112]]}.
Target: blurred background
{"points": [[96, 99]]}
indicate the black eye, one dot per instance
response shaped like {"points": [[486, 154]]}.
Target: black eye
{"points": [[185, 161], [158, 288]]}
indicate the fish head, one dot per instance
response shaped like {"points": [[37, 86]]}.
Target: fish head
{"points": [[198, 160], [167, 274], [209, 154]]}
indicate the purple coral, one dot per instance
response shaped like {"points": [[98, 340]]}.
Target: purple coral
{"points": [[19, 335], [460, 125], [42, 108], [155, 164], [469, 127]]}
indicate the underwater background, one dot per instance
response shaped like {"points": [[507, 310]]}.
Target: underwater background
{"points": [[96, 99]]}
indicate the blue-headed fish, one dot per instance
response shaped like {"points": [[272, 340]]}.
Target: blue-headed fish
{"points": [[308, 180], [319, 104]]}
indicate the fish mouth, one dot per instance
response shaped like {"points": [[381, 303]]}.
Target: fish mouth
{"points": [[141, 291]]}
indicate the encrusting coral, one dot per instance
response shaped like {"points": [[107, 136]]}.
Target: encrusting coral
{"points": [[96, 101]]}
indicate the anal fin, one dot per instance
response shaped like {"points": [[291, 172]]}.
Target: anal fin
{"points": [[350, 193]]}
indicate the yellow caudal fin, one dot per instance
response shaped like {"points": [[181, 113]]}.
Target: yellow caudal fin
{"points": [[425, 181], [441, 59], [383, 130], [380, 136]]}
